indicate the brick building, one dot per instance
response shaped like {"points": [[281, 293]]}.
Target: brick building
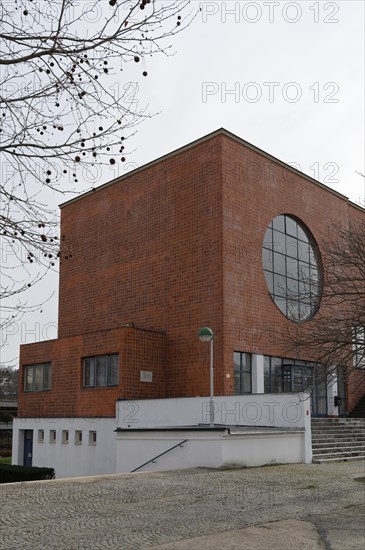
{"points": [[168, 248]]}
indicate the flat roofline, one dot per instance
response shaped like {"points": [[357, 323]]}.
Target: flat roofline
{"points": [[205, 427], [220, 131]]}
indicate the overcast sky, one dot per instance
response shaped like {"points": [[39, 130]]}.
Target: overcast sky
{"points": [[286, 76]]}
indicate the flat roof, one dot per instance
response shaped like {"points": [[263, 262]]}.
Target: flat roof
{"points": [[217, 427], [220, 131]]}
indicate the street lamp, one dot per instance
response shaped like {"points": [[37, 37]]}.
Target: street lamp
{"points": [[206, 334]]}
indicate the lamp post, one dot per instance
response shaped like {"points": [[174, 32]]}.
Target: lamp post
{"points": [[206, 334]]}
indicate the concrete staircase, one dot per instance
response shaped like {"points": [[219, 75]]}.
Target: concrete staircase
{"points": [[336, 439]]}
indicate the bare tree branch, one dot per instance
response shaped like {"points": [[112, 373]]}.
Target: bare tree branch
{"points": [[336, 336], [66, 103]]}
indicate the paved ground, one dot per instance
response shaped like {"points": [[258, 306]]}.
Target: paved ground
{"points": [[285, 507]]}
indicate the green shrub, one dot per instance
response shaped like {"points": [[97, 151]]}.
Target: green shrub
{"points": [[11, 474]]}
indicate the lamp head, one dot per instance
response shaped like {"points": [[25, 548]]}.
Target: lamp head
{"points": [[205, 334]]}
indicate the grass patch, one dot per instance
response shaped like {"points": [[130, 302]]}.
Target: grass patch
{"points": [[5, 460]]}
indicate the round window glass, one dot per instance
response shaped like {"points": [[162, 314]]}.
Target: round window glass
{"points": [[292, 269]]}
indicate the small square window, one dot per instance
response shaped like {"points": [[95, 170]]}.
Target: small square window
{"points": [[64, 436], [52, 436], [40, 436], [92, 438], [78, 437]]}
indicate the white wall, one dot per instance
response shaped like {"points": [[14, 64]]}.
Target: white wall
{"points": [[332, 391], [273, 410], [68, 459], [206, 448], [106, 457], [277, 410], [260, 449], [134, 449], [258, 383]]}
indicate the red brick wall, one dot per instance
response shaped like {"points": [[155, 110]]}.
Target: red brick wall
{"points": [[355, 388], [147, 250], [138, 350], [144, 351]]}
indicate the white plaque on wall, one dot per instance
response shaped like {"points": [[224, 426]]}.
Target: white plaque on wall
{"points": [[146, 376]]}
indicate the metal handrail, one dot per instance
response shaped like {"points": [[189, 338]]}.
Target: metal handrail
{"points": [[158, 456]]}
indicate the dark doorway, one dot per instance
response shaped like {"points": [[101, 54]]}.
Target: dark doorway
{"points": [[28, 448], [319, 398], [303, 378]]}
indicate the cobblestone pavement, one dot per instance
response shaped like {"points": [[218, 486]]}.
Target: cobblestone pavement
{"points": [[134, 511]]}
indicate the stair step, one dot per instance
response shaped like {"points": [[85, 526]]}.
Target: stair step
{"points": [[332, 444], [339, 454], [325, 445], [338, 431], [324, 460], [336, 419], [341, 422], [338, 450], [334, 433], [340, 435], [357, 426], [337, 427], [334, 441]]}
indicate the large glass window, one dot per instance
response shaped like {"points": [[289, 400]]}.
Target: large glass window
{"points": [[242, 373], [37, 377], [101, 371], [291, 265], [287, 375]]}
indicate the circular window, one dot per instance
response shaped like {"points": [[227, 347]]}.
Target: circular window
{"points": [[292, 270]]}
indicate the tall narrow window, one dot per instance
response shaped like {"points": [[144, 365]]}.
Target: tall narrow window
{"points": [[242, 373], [358, 346], [92, 437]]}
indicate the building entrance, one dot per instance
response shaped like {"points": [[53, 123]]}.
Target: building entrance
{"points": [[28, 448], [303, 379]]}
